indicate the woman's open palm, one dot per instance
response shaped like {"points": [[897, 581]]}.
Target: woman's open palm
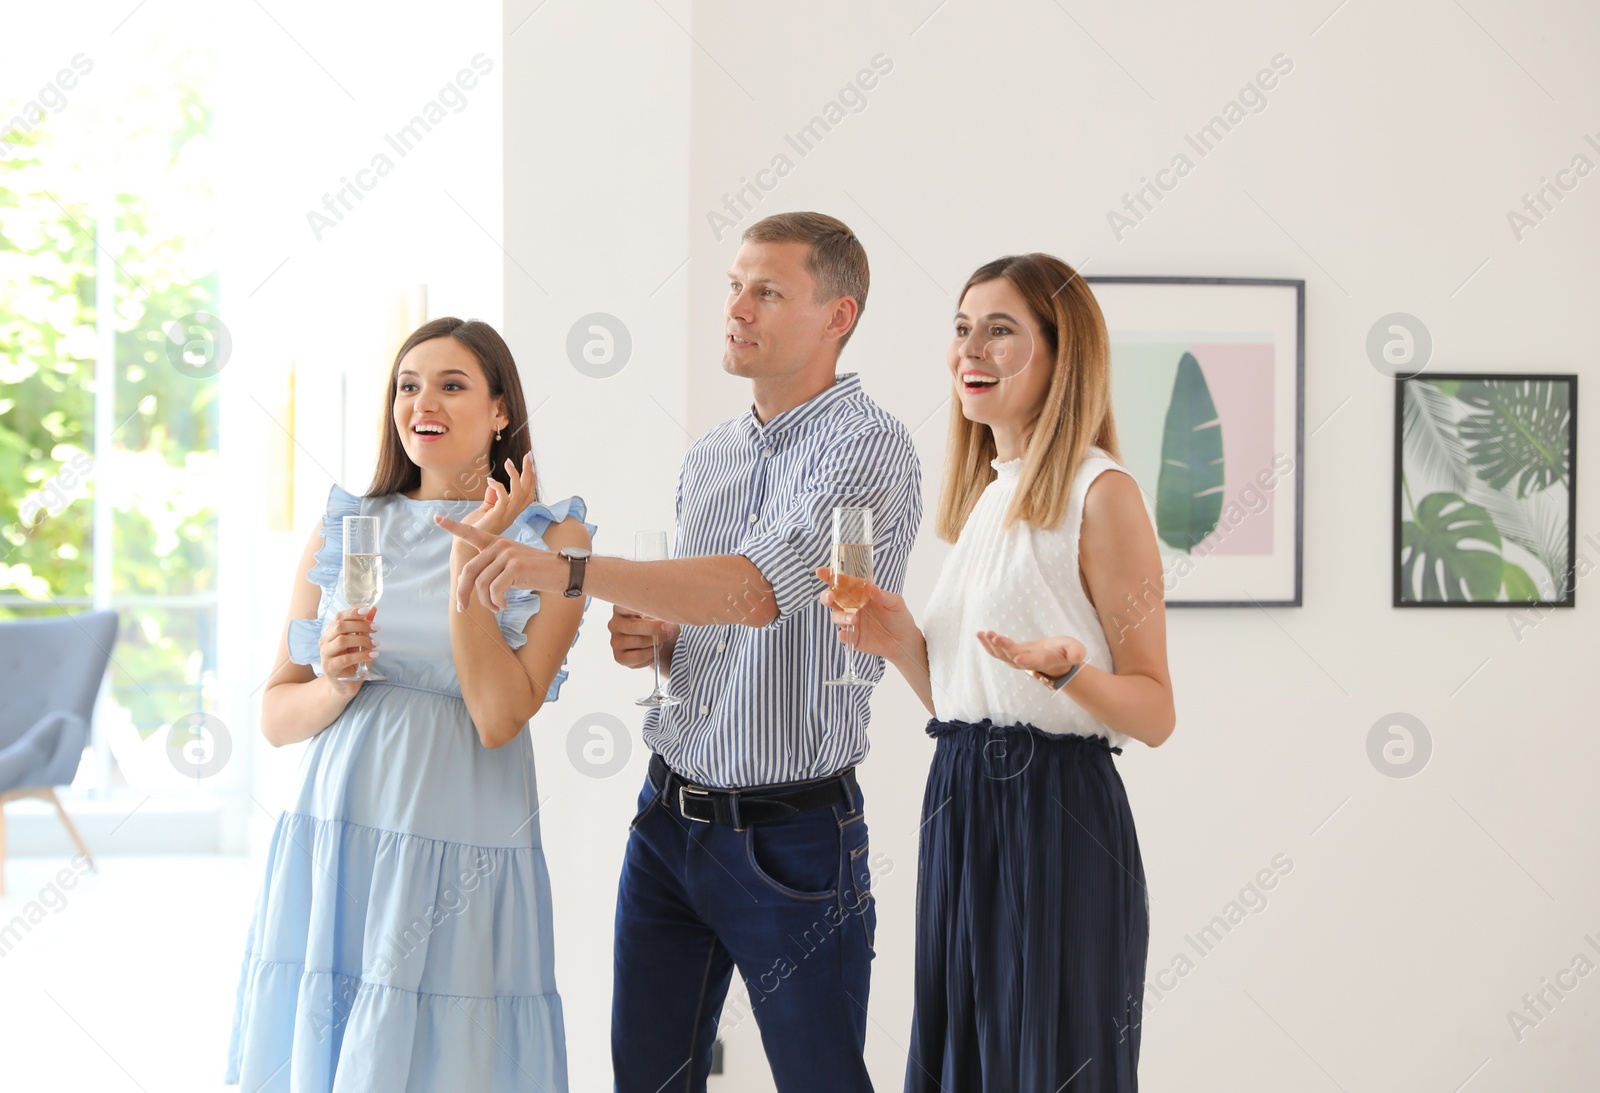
{"points": [[1049, 656]]}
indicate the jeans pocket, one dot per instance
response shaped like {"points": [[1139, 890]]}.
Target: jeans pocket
{"points": [[797, 857], [648, 798], [858, 899]]}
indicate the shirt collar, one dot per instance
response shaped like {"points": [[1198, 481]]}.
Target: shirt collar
{"points": [[845, 384]]}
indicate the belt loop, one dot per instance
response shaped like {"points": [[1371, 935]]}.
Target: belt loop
{"points": [[733, 811], [669, 789]]}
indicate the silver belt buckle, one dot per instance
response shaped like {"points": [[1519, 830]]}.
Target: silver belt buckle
{"points": [[684, 812]]}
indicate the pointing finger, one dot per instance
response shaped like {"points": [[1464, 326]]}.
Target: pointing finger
{"points": [[476, 536]]}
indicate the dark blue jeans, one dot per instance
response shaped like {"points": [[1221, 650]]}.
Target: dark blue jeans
{"points": [[788, 903]]}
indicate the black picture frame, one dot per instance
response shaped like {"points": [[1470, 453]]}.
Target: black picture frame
{"points": [[1534, 534], [1291, 592]]}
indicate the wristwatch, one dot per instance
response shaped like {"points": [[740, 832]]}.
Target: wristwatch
{"points": [[1059, 681], [578, 558]]}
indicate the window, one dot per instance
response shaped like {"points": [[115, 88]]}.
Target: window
{"points": [[108, 417]]}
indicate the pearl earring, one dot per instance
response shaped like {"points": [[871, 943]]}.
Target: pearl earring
{"points": [[497, 434]]}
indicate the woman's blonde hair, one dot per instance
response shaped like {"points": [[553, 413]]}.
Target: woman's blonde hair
{"points": [[1077, 405]]}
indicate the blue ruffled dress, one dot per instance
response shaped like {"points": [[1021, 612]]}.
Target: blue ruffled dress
{"points": [[402, 940]]}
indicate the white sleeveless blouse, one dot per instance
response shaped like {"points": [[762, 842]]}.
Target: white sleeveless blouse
{"points": [[1023, 583]]}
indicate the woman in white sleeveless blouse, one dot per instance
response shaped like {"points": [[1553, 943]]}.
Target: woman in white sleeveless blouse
{"points": [[1042, 652]]}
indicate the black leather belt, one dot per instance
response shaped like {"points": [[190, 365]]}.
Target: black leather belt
{"points": [[741, 808]]}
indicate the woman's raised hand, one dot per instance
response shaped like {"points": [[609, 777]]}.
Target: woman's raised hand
{"points": [[500, 509], [1049, 656], [347, 642], [884, 627]]}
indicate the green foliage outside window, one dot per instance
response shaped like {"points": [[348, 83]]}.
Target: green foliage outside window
{"points": [[133, 178]]}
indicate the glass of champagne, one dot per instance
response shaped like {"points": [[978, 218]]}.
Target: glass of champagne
{"points": [[651, 546], [852, 574], [363, 577]]}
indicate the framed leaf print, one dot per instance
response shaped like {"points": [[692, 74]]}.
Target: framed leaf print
{"points": [[1484, 490], [1207, 387]]}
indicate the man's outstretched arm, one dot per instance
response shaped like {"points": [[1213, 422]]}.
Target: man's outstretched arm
{"points": [[719, 588]]}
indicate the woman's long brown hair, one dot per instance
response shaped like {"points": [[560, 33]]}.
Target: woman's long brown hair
{"points": [[396, 473], [1077, 405]]}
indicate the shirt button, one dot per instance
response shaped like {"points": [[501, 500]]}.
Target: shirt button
{"points": [[704, 709], [766, 452], [721, 646], [752, 517]]}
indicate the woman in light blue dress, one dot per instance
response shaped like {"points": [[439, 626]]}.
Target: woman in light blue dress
{"points": [[402, 941]]}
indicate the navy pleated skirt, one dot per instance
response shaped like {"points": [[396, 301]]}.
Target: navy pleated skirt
{"points": [[1033, 922]]}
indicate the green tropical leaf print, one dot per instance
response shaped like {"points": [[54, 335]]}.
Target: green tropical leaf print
{"points": [[1450, 552], [1537, 523], [1520, 587], [1189, 487], [1518, 432], [1428, 434]]}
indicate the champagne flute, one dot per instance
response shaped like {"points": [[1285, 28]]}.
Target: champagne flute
{"points": [[363, 577], [651, 546], [852, 574]]}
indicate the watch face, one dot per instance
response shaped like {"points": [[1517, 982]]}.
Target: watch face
{"points": [[575, 552]]}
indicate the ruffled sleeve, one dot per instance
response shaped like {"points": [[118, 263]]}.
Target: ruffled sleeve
{"points": [[326, 569], [522, 604]]}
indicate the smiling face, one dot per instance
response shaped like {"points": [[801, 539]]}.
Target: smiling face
{"points": [[444, 413], [1000, 361], [773, 324]]}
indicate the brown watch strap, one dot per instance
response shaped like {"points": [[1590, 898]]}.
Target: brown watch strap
{"points": [[575, 576]]}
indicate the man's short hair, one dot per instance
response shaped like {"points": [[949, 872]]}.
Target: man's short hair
{"points": [[837, 260]]}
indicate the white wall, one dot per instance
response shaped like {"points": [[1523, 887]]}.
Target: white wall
{"points": [[597, 161], [1418, 911]]}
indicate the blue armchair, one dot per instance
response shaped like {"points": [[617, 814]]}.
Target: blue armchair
{"points": [[50, 672]]}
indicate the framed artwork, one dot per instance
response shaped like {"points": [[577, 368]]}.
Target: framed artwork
{"points": [[1485, 491], [1207, 386]]}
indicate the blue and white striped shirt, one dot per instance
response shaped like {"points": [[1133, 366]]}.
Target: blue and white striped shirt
{"points": [[753, 709]]}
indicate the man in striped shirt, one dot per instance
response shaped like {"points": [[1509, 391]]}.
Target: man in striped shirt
{"points": [[749, 849]]}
